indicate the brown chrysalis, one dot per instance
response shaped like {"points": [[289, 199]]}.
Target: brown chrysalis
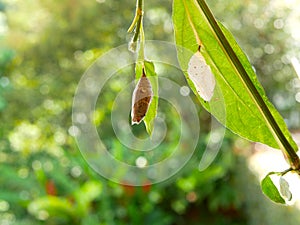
{"points": [[141, 99]]}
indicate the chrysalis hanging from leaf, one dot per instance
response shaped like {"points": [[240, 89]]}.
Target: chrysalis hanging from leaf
{"points": [[201, 76], [141, 99]]}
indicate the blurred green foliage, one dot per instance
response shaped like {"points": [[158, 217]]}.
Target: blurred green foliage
{"points": [[45, 48]]}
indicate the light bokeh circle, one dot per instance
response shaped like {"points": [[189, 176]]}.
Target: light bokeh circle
{"points": [[89, 141]]}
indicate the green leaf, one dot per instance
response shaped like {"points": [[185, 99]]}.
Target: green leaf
{"points": [[238, 92], [152, 76], [270, 190]]}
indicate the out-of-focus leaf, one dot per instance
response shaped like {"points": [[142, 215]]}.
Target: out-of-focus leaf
{"points": [[86, 194], [270, 190], [53, 205]]}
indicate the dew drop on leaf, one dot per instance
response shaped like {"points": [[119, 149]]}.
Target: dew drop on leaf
{"points": [[201, 76]]}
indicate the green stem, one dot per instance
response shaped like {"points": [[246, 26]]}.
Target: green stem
{"points": [[138, 28], [283, 143], [286, 171], [137, 22], [141, 54], [138, 14]]}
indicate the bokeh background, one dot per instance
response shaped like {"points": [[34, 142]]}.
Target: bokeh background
{"points": [[46, 45]]}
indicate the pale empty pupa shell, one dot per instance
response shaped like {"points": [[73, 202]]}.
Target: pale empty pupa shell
{"points": [[201, 76], [285, 189], [141, 99]]}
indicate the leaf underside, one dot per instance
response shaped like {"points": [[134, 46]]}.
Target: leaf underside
{"points": [[270, 190], [232, 103]]}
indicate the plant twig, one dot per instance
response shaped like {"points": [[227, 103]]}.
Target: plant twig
{"points": [[137, 25]]}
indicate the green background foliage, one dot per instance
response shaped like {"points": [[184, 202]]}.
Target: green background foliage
{"points": [[45, 48]]}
